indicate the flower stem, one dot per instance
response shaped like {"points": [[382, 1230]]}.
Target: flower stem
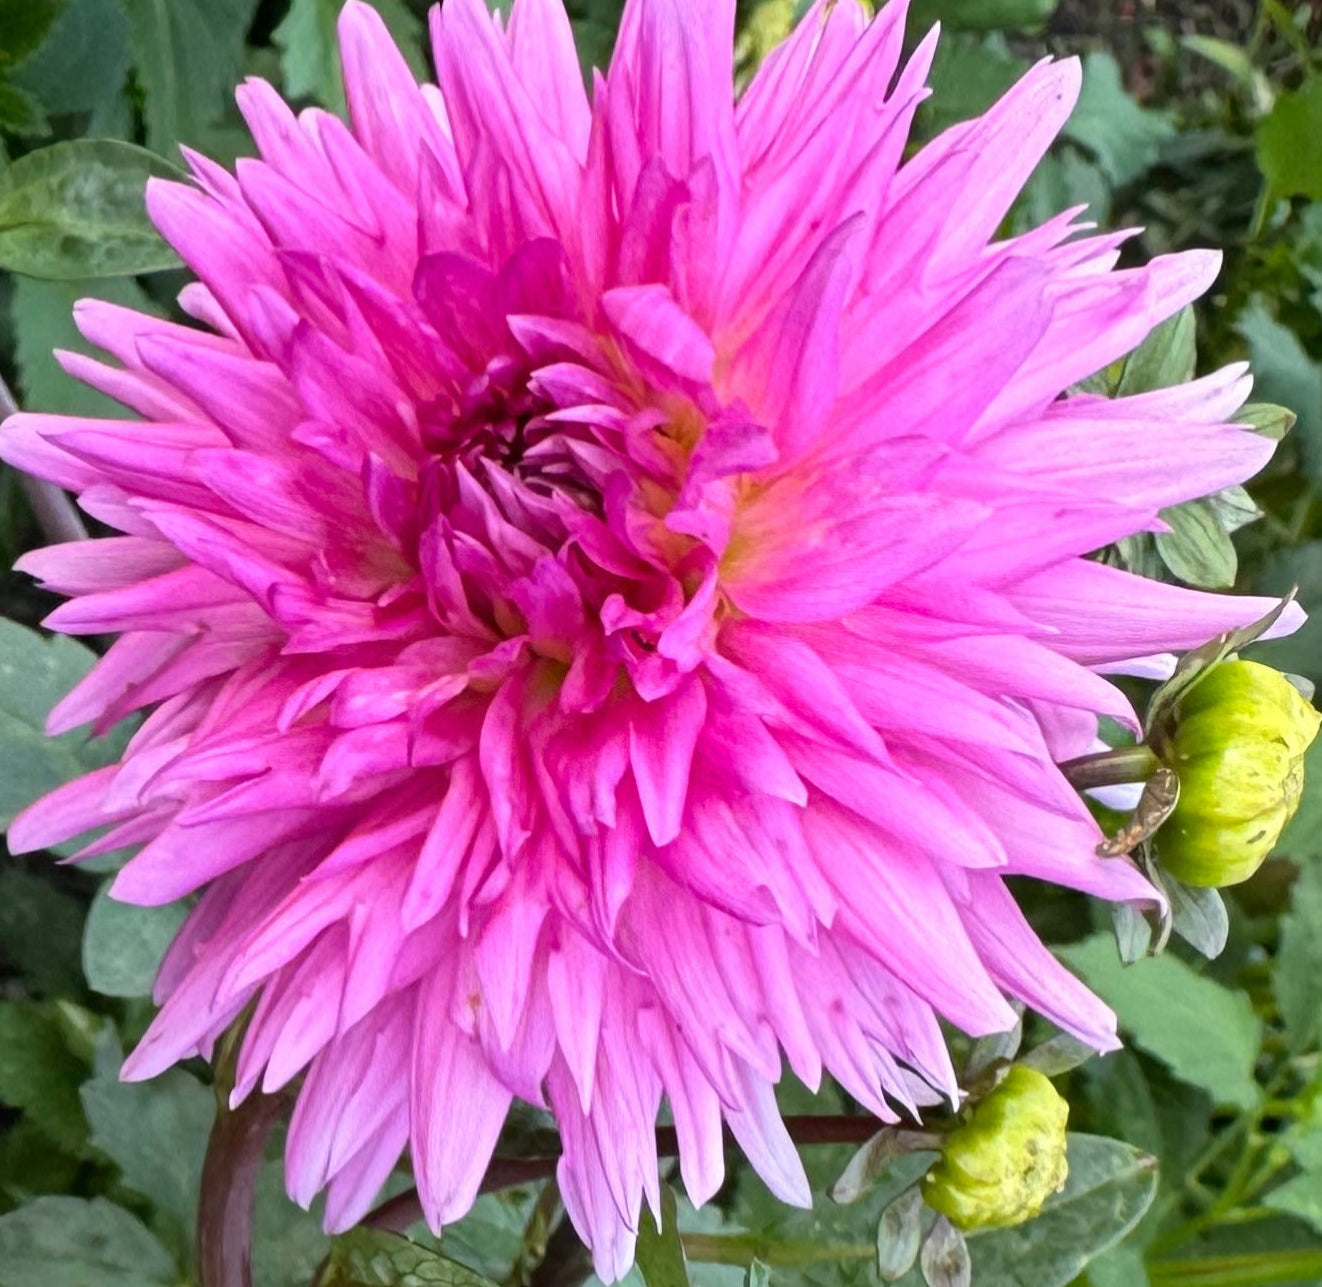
{"points": [[743, 1248], [404, 1210], [1244, 1182], [1111, 768], [229, 1178], [51, 506], [1257, 1269]]}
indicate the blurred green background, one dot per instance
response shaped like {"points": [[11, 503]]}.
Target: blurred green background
{"points": [[1201, 123]]}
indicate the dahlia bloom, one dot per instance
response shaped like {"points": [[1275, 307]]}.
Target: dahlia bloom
{"points": [[606, 581]]}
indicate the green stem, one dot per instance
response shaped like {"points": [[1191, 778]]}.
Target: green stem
{"points": [[1262, 1178], [1260, 1269], [1250, 1215], [1217, 1212], [743, 1248], [1111, 768], [1244, 1182], [1216, 1146]]}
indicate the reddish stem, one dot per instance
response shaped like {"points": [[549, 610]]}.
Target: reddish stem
{"points": [[234, 1158], [404, 1210]]}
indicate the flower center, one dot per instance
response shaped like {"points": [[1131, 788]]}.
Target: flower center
{"points": [[499, 420]]}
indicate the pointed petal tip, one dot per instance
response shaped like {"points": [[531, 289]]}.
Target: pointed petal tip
{"points": [[360, 20], [22, 836], [1103, 1040], [1070, 71], [139, 888], [1288, 622], [1047, 93], [149, 1059]]}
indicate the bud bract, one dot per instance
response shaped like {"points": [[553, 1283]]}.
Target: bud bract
{"points": [[999, 1167], [1238, 748]]}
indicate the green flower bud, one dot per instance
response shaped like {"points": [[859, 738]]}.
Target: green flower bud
{"points": [[1238, 748], [1006, 1160]]}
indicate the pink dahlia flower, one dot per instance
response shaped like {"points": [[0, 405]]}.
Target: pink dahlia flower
{"points": [[607, 581]]}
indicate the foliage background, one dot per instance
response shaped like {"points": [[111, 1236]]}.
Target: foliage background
{"points": [[1201, 120]]}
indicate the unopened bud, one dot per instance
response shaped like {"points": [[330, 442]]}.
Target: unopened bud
{"points": [[1006, 1160], [1238, 748]]}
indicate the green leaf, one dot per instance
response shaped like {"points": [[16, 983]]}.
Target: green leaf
{"points": [[1232, 59], [1302, 838], [1306, 252], [1110, 1186], [1121, 1102], [310, 53], [1301, 652], [1300, 1197], [979, 15], [1234, 508], [1059, 1054], [869, 1163], [40, 932], [944, 1258], [156, 1133], [31, 1165], [21, 113], [189, 56], [1198, 916], [1290, 143], [1197, 549], [1207, 1035], [23, 26], [68, 1242], [1305, 1144], [995, 1048], [1166, 358], [1138, 554], [1185, 1119], [36, 670], [1132, 932], [1268, 420], [123, 944], [76, 210], [34, 673], [595, 23], [968, 75], [371, 1258], [1124, 137], [1284, 373], [660, 1253], [491, 1236], [899, 1235], [288, 1243], [82, 66], [39, 1074], [1120, 1267], [42, 313], [1297, 979], [1196, 664], [1063, 178]]}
